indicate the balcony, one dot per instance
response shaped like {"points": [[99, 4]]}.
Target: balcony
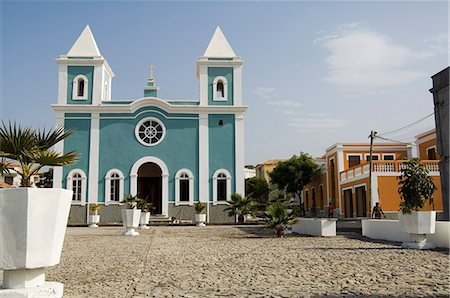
{"points": [[385, 166]]}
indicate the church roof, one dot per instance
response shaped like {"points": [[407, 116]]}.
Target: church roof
{"points": [[219, 47], [85, 46]]}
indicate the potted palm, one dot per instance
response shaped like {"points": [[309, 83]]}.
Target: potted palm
{"points": [[416, 189], [241, 206], [146, 209], [94, 218], [131, 215], [279, 216], [200, 218], [32, 220]]}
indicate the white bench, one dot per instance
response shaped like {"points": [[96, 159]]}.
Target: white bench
{"points": [[324, 227]]}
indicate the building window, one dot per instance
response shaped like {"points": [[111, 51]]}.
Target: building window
{"points": [[150, 131], [431, 153], [353, 160], [184, 187], [220, 86], [9, 180], [114, 186], [221, 186], [374, 157], [388, 157], [76, 181], [80, 87]]}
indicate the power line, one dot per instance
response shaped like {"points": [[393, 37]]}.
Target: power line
{"points": [[411, 144], [406, 126]]}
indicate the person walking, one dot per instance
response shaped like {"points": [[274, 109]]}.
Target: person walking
{"points": [[330, 210], [377, 211]]}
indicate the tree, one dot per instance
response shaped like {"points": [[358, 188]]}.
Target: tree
{"points": [[293, 174], [46, 180], [32, 149], [416, 186], [257, 188], [241, 206], [279, 216]]}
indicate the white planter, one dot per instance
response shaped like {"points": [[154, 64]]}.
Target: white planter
{"points": [[417, 225], [144, 220], [200, 220], [130, 220], [323, 227], [32, 227], [94, 220]]}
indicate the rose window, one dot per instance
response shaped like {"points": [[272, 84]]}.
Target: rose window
{"points": [[150, 132]]}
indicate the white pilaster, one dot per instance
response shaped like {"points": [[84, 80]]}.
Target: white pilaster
{"points": [[62, 84], [239, 154], [203, 127], [97, 85], [340, 168], [94, 158], [237, 80], [59, 147], [203, 76]]}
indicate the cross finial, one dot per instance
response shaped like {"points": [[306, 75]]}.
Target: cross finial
{"points": [[151, 73]]}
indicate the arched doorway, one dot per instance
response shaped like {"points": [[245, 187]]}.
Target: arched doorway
{"points": [[149, 185]]}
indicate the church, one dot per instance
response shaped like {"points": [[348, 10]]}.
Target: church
{"points": [[173, 153]]}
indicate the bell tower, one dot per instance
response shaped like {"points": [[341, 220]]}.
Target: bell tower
{"points": [[84, 74], [220, 73]]}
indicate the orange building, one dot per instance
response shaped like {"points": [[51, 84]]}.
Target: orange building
{"points": [[263, 170], [345, 181]]}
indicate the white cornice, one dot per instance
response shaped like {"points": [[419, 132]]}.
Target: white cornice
{"points": [[148, 102], [98, 60]]}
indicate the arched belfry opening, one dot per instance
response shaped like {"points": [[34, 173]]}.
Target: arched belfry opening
{"points": [[149, 185]]}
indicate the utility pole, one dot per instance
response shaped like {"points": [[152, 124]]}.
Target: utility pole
{"points": [[372, 136]]}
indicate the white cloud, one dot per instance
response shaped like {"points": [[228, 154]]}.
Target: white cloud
{"points": [[361, 60], [265, 92], [286, 103], [316, 124]]}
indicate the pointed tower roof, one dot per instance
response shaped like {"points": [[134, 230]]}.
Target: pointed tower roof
{"points": [[219, 47], [85, 46]]}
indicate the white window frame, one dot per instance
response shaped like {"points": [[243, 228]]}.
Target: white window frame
{"points": [[178, 202], [367, 155], [136, 131], [108, 175], [388, 154], [215, 178], [75, 88], [225, 89], [69, 180]]}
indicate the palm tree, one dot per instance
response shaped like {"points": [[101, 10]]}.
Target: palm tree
{"points": [[32, 149], [241, 206], [279, 217]]}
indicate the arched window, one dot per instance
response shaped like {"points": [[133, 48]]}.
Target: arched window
{"points": [[114, 186], [221, 186], [76, 187], [80, 87], [76, 181], [184, 187], [220, 89], [80, 91]]}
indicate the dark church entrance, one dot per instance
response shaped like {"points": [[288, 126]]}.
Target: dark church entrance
{"points": [[149, 185]]}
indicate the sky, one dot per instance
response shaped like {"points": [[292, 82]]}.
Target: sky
{"points": [[315, 73]]}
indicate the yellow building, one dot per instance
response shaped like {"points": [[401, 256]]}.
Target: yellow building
{"points": [[263, 170], [346, 179]]}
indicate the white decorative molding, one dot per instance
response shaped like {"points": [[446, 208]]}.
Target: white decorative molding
{"points": [[75, 86], [367, 156], [151, 132], [62, 84], [164, 175], [59, 148], [203, 153], [97, 86], [94, 158], [237, 86], [347, 155], [388, 154], [69, 185], [239, 155], [228, 179], [177, 187], [108, 186], [225, 89]]}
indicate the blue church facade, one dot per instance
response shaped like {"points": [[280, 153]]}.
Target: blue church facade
{"points": [[172, 153]]}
